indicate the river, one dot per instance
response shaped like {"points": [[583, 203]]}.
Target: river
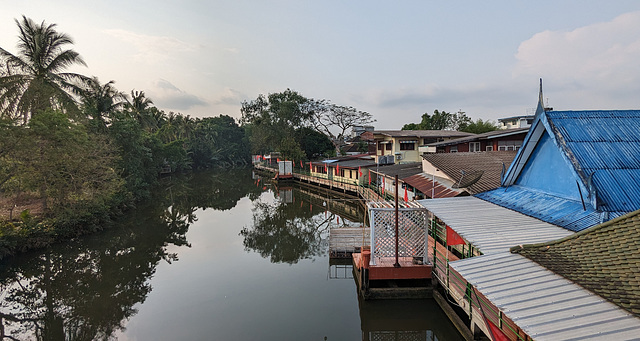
{"points": [[217, 255]]}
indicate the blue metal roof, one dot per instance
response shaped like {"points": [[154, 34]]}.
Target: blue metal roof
{"points": [[604, 150], [562, 212], [607, 145]]}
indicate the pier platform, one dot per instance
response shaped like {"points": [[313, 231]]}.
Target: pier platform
{"points": [[412, 280], [344, 241]]}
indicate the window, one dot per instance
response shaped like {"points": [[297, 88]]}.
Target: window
{"points": [[474, 146], [429, 140], [509, 145], [380, 146], [389, 145], [489, 148], [407, 146], [454, 149]]}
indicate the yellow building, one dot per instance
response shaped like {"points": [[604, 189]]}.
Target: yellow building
{"points": [[401, 146]]}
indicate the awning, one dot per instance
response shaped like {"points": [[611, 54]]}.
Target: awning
{"points": [[489, 227], [543, 304]]}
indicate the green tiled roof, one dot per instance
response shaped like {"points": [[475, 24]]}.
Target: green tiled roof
{"points": [[604, 259]]}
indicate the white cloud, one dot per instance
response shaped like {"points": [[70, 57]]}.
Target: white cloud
{"points": [[152, 48], [230, 97], [166, 95], [601, 58]]}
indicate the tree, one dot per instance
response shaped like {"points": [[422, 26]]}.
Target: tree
{"points": [[480, 126], [334, 120], [270, 120], [313, 143], [459, 121], [34, 80], [101, 100], [216, 140], [65, 164], [142, 109], [440, 120]]}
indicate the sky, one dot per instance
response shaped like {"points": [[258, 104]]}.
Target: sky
{"points": [[394, 59]]}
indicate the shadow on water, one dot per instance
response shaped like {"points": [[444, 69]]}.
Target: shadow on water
{"points": [[395, 320]]}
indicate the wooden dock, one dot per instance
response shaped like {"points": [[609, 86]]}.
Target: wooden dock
{"points": [[385, 281], [347, 188], [344, 241]]}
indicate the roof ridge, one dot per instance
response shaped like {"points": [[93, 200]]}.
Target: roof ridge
{"points": [[518, 248]]}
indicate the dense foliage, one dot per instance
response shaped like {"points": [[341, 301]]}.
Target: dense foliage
{"points": [[74, 152], [442, 120], [298, 127]]}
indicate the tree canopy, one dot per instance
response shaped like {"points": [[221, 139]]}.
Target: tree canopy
{"points": [[35, 79], [74, 151], [442, 120], [275, 123]]}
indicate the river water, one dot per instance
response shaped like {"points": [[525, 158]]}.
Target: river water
{"points": [[219, 255]]}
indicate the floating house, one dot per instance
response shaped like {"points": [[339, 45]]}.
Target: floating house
{"points": [[346, 169], [575, 170]]}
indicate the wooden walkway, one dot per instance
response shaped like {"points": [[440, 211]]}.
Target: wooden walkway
{"points": [[362, 192], [344, 241]]}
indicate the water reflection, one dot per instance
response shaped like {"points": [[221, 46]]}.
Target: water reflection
{"points": [[296, 226], [87, 289], [96, 287], [392, 320]]}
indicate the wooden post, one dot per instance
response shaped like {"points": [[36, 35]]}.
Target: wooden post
{"points": [[397, 264]]}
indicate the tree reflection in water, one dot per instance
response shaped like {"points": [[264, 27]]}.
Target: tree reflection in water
{"points": [[86, 289], [287, 232]]}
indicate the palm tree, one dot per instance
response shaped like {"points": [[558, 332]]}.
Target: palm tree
{"points": [[34, 79], [140, 108], [102, 100]]}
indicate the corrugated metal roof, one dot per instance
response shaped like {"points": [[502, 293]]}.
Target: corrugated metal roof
{"points": [[604, 149], [602, 259], [422, 133], [607, 144], [484, 136], [545, 305], [403, 170], [425, 184], [490, 163], [563, 212], [489, 227]]}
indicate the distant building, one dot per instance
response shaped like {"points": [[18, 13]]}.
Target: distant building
{"points": [[498, 140], [523, 121], [359, 130], [401, 146]]}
